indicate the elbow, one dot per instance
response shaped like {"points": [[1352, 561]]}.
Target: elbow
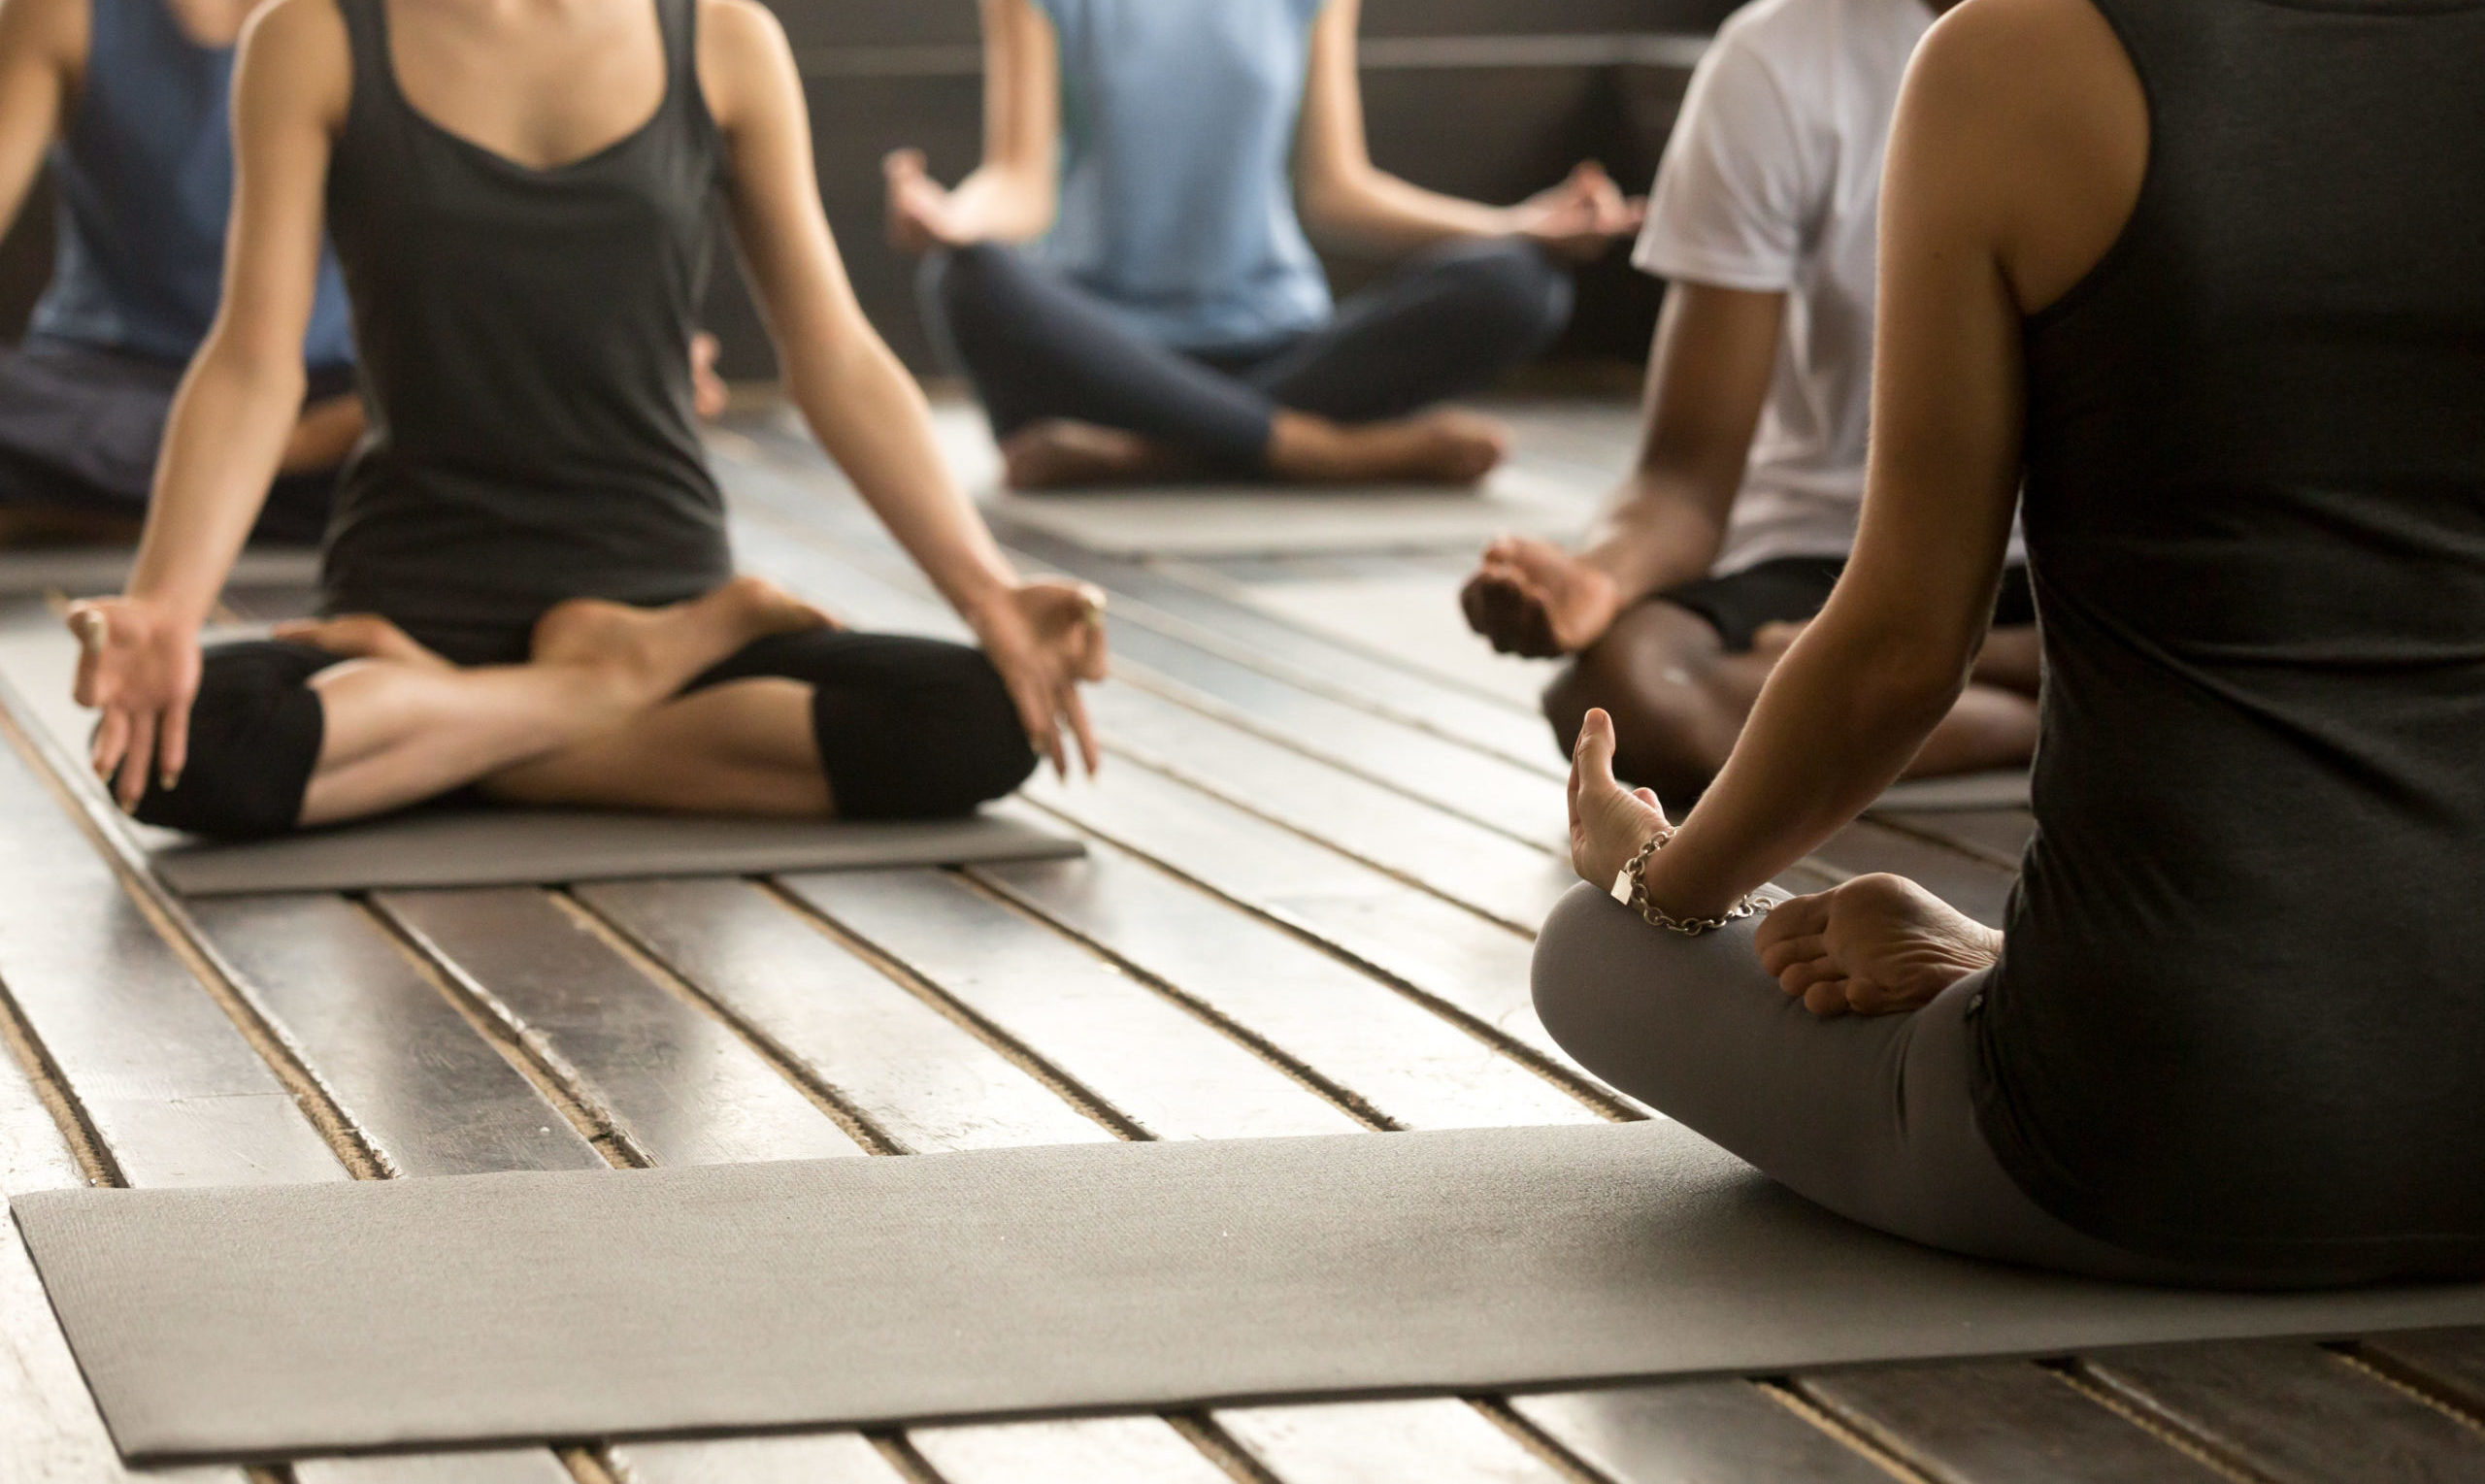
{"points": [[1334, 201]]}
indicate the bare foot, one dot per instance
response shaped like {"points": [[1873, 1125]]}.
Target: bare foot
{"points": [[1446, 446], [650, 653], [709, 396], [361, 637], [1530, 597], [1059, 454], [1873, 945]]}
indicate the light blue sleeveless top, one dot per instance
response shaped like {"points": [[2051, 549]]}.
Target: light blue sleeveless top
{"points": [[1177, 184], [144, 176]]}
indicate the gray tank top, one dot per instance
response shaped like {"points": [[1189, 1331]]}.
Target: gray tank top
{"points": [[2241, 1014], [525, 352]]}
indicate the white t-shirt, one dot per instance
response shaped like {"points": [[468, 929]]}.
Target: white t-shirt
{"points": [[1771, 182]]}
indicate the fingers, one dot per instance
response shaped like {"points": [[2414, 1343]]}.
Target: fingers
{"points": [[173, 745], [903, 164], [131, 785], [1596, 751], [1075, 707], [111, 744]]}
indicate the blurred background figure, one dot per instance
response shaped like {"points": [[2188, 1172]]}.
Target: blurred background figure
{"points": [[131, 99], [1127, 281], [1730, 533]]}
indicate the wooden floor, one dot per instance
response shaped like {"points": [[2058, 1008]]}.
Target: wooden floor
{"points": [[1324, 833]]}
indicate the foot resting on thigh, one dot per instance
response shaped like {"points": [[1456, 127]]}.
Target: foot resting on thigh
{"points": [[1058, 453], [1875, 945], [1445, 446], [647, 654]]}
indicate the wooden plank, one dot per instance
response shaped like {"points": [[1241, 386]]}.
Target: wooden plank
{"points": [[676, 1086], [497, 1466], [821, 1458], [2447, 1363], [1382, 1049], [918, 1076], [1102, 1448], [1982, 1420], [158, 1070], [162, 1071], [1455, 959], [1147, 1058], [430, 1095], [52, 1430], [1695, 1433], [1434, 1441], [1483, 870], [2294, 1413]]}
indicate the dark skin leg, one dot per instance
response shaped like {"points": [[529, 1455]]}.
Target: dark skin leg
{"points": [[1679, 701]]}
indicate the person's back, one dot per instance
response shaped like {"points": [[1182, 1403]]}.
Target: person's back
{"points": [[2241, 1014]]}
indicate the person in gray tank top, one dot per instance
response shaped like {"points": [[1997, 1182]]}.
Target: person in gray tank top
{"points": [[529, 585], [129, 99], [1126, 281], [2230, 327]]}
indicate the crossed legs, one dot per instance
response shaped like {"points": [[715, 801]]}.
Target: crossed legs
{"points": [[1680, 699]]}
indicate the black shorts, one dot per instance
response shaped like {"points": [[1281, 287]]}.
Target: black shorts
{"points": [[79, 429], [1792, 589], [908, 728]]}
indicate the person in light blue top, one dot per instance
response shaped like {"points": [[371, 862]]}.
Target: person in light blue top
{"points": [[1128, 284], [131, 100]]}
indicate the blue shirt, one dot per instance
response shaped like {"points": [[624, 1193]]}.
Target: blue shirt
{"points": [[1178, 121], [145, 179]]}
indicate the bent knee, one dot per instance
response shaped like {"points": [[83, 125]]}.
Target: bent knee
{"points": [[254, 737], [944, 741], [1671, 733]]}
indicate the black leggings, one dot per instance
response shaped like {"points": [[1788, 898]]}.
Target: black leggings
{"points": [[1038, 345], [907, 729]]}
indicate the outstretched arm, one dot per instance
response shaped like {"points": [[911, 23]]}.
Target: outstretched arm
{"points": [[860, 402], [236, 408], [1012, 195], [1348, 198], [43, 53], [1708, 373]]}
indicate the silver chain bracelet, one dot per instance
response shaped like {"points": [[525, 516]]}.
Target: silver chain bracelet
{"points": [[1631, 889]]}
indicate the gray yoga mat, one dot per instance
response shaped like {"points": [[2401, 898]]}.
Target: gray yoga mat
{"points": [[85, 572], [487, 846], [264, 1322]]}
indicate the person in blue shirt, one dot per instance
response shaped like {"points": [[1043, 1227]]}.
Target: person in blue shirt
{"points": [[1128, 284], [130, 99]]}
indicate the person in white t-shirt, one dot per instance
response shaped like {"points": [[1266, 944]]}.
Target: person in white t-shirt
{"points": [[1731, 531]]}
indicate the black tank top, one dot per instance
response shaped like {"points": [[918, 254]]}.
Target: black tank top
{"points": [[524, 339], [2241, 1010]]}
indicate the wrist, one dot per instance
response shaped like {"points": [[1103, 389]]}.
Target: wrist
{"points": [[1670, 882]]}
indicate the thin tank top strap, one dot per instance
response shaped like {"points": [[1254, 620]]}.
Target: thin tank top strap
{"points": [[677, 21], [375, 81]]}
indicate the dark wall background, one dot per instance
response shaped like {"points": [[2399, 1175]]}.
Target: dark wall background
{"points": [[1491, 99]]}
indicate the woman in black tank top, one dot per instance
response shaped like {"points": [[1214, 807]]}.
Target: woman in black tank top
{"points": [[2209, 273], [528, 567]]}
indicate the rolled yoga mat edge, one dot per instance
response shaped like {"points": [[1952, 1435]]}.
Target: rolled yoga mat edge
{"points": [[266, 1322], [486, 847]]}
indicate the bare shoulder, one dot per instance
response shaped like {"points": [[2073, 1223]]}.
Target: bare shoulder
{"points": [[745, 60], [295, 58], [2016, 57], [2029, 115], [45, 33]]}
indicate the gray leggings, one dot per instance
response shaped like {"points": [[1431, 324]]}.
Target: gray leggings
{"points": [[1872, 1117]]}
